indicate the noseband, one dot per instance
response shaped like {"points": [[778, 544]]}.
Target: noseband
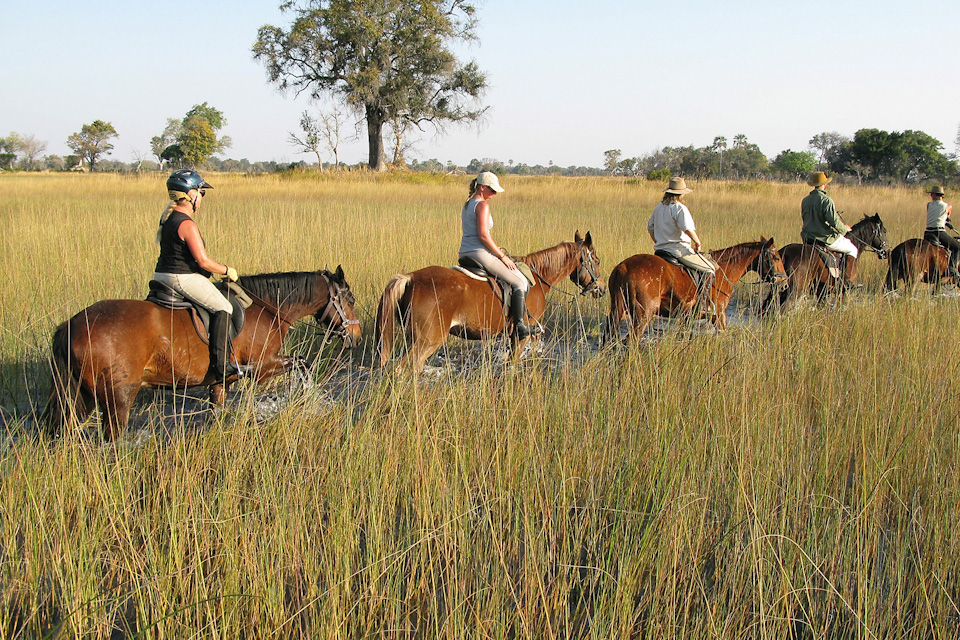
{"points": [[771, 275]]}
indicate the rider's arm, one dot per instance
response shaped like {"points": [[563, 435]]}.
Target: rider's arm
{"points": [[832, 219], [190, 234]]}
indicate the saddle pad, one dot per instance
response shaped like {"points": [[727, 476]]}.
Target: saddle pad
{"points": [[525, 269], [468, 273], [830, 259]]}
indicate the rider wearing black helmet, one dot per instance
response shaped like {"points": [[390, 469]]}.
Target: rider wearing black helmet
{"points": [[184, 265]]}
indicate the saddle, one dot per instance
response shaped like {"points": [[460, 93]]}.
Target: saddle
{"points": [[501, 289], [834, 261], [162, 295], [696, 276]]}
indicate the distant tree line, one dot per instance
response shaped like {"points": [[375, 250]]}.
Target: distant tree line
{"points": [[871, 156]]}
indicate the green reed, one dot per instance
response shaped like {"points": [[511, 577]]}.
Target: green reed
{"points": [[792, 478]]}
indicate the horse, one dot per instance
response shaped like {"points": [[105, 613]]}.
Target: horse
{"points": [[805, 268], [915, 261], [104, 354], [645, 285], [434, 302]]}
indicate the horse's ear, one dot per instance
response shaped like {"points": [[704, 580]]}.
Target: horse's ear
{"points": [[339, 272], [588, 240], [770, 241], [576, 237], [762, 239]]}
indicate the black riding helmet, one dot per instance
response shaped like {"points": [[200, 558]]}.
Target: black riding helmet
{"points": [[182, 180]]}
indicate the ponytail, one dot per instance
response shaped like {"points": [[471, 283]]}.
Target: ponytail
{"points": [[163, 218]]}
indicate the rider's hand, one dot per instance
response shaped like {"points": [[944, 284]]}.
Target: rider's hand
{"points": [[508, 262], [232, 274]]}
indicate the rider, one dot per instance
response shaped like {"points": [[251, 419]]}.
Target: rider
{"points": [[938, 221], [822, 224], [477, 244], [672, 229], [185, 267]]}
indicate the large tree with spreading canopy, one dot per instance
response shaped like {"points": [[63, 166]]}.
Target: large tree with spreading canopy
{"points": [[390, 60]]}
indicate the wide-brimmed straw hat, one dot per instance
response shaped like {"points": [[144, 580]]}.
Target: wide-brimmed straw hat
{"points": [[818, 179], [678, 186], [489, 179], [937, 189]]}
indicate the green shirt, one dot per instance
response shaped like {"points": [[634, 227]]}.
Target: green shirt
{"points": [[821, 222]]}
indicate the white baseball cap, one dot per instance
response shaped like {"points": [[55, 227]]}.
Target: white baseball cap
{"points": [[489, 179]]}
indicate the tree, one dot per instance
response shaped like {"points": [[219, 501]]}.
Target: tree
{"points": [[169, 136], [29, 152], [310, 142], [92, 141], [826, 144], [719, 146], [384, 58], [191, 141], [611, 158], [795, 164]]}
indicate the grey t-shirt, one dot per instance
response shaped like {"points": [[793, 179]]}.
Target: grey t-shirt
{"points": [[468, 220]]}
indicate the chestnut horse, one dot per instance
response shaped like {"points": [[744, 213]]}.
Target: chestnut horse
{"points": [[103, 355], [646, 285], [915, 261], [807, 273], [434, 302]]}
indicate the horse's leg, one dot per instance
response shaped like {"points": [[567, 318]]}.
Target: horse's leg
{"points": [[115, 400], [642, 314]]}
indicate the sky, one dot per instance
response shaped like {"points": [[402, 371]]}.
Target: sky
{"points": [[567, 80]]}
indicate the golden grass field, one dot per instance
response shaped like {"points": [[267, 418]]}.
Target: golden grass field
{"points": [[790, 478]]}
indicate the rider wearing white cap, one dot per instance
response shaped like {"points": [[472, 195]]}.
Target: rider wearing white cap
{"points": [[477, 244]]}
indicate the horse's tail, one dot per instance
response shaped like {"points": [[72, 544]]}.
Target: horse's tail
{"points": [[388, 313], [618, 285], [66, 400], [896, 268]]}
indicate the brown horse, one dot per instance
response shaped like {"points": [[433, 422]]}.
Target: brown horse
{"points": [[645, 285], [915, 261], [103, 355], [434, 302], [807, 273]]}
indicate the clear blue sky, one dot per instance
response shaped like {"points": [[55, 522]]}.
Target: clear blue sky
{"points": [[568, 80]]}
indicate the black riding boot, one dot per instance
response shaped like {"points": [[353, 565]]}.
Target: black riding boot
{"points": [[952, 268], [221, 349], [518, 313]]}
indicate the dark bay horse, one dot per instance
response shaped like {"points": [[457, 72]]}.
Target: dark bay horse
{"points": [[915, 261], [646, 285], [103, 355], [434, 302], [807, 273]]}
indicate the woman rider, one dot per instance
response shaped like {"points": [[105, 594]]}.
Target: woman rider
{"points": [[478, 245], [938, 221], [185, 267], [672, 229]]}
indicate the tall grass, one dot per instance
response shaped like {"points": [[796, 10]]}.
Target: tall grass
{"points": [[794, 478]]}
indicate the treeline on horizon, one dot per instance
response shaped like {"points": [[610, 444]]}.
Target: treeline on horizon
{"points": [[870, 156]]}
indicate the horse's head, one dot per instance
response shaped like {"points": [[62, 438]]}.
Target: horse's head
{"points": [[769, 264], [587, 274], [338, 314], [871, 235]]}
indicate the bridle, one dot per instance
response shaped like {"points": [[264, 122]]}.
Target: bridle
{"points": [[334, 303], [772, 276], [587, 264], [876, 238]]}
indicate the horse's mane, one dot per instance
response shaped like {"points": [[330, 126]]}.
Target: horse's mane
{"points": [[551, 258], [737, 251], [287, 288]]}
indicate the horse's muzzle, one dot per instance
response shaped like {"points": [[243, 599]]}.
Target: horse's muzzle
{"points": [[598, 289]]}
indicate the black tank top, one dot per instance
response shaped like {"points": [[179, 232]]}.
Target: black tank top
{"points": [[175, 256]]}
